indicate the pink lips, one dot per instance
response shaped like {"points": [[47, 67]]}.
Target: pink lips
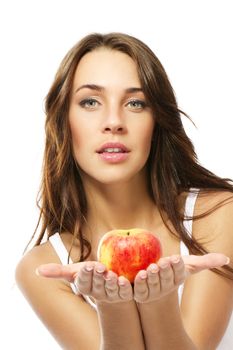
{"points": [[113, 145], [113, 157]]}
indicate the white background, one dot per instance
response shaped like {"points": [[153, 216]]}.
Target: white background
{"points": [[193, 40]]}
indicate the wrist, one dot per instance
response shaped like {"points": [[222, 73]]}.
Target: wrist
{"points": [[120, 325], [117, 305], [169, 300], [166, 318]]}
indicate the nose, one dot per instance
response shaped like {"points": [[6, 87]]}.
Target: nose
{"points": [[114, 123]]}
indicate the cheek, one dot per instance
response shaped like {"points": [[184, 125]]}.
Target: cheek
{"points": [[79, 133], [146, 137]]}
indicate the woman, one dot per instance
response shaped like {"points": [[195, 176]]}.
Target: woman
{"points": [[117, 157]]}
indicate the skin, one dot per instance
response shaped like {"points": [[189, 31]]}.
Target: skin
{"points": [[117, 197], [109, 114], [93, 279]]}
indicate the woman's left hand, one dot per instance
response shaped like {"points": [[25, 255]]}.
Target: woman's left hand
{"points": [[161, 279]]}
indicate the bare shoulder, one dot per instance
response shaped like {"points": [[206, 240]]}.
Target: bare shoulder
{"points": [[27, 279], [54, 301], [206, 201], [211, 294], [38, 255], [34, 287], [43, 254], [215, 230]]}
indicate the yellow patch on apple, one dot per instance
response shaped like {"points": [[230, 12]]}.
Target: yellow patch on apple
{"points": [[126, 252]]}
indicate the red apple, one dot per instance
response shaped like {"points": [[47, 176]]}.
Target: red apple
{"points": [[126, 252]]}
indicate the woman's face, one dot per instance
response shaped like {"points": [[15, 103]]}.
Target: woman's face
{"points": [[111, 123]]}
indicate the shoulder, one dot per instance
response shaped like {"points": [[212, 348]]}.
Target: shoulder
{"points": [[207, 201], [53, 300], [211, 294], [25, 272], [38, 290], [214, 224], [213, 227], [42, 254]]}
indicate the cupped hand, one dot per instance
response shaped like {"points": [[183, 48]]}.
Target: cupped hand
{"points": [[161, 279], [91, 279], [95, 281]]}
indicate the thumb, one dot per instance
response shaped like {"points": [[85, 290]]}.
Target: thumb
{"points": [[197, 263], [52, 270]]}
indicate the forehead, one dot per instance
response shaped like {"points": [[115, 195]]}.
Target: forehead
{"points": [[105, 66]]}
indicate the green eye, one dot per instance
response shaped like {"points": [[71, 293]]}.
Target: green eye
{"points": [[89, 103], [136, 104]]}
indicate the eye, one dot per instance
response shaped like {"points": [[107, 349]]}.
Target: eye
{"points": [[136, 104], [89, 103]]}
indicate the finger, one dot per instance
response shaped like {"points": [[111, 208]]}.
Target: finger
{"points": [[98, 282], [83, 281], [141, 292], [125, 289], [196, 263], [153, 280], [111, 286], [166, 275], [178, 269], [59, 271]]}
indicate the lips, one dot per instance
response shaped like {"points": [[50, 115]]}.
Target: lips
{"points": [[113, 145]]}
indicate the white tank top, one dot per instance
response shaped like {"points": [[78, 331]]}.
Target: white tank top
{"points": [[58, 245]]}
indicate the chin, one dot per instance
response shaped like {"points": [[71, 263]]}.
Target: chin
{"points": [[114, 181], [121, 180], [115, 175]]}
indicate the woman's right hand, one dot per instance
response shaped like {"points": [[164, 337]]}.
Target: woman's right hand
{"points": [[91, 279]]}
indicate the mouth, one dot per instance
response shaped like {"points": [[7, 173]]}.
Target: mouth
{"points": [[113, 148], [113, 152]]}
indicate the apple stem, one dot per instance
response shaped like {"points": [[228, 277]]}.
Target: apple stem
{"points": [[128, 233]]}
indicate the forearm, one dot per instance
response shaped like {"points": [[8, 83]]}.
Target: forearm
{"points": [[120, 326], [162, 325]]}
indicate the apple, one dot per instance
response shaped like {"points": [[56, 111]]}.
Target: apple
{"points": [[126, 252]]}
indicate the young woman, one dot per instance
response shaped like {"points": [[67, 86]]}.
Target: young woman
{"points": [[117, 157]]}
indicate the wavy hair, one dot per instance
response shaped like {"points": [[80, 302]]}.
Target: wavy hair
{"points": [[173, 165]]}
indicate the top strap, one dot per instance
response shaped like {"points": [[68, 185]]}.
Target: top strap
{"points": [[189, 209], [62, 253], [188, 213], [59, 248]]}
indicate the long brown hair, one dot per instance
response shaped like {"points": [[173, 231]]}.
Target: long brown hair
{"points": [[173, 166]]}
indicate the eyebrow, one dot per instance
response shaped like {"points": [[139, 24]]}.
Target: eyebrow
{"points": [[101, 88]]}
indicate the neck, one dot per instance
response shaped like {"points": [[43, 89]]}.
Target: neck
{"points": [[118, 206]]}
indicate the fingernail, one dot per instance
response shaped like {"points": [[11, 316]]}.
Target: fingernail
{"points": [[40, 271], [107, 277], [121, 281], [100, 269], [143, 275], [89, 268], [228, 261], [154, 268]]}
